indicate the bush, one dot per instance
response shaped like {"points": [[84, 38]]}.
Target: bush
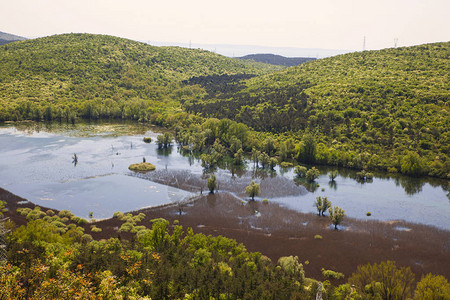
{"points": [[300, 171], [332, 274], [95, 229], [368, 214], [286, 165], [65, 213], [312, 174], [147, 140], [318, 237], [142, 167], [265, 201]]}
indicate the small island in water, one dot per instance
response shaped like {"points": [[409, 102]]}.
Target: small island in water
{"points": [[142, 167]]}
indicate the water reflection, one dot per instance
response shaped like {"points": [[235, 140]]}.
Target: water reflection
{"points": [[332, 184]]}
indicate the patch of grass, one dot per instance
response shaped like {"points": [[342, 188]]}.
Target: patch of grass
{"points": [[142, 167]]}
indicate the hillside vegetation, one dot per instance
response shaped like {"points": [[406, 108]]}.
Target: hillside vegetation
{"points": [[365, 110], [96, 76], [277, 59]]}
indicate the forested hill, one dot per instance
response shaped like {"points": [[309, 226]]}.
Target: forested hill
{"points": [[6, 38], [277, 59], [102, 76], [373, 103]]}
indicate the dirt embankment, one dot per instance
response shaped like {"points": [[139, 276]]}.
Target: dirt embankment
{"points": [[276, 231]]}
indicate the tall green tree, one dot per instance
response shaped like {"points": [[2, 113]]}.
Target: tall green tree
{"points": [[252, 189], [212, 183], [337, 214]]}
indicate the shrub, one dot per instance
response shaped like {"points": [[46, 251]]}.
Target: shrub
{"points": [[318, 237], [126, 227], [95, 229], [368, 214], [332, 274], [300, 171], [312, 174], [142, 167], [147, 140], [65, 213], [265, 201], [286, 165]]}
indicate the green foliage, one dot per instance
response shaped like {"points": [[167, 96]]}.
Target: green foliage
{"points": [[322, 205], [432, 287], [383, 281], [286, 165], [300, 171], [292, 267], [364, 109], [330, 274], [318, 237], [252, 189], [142, 167], [333, 174], [312, 174], [67, 76], [147, 140], [337, 214], [212, 183], [412, 164]]}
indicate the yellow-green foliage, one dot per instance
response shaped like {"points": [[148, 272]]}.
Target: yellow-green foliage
{"points": [[366, 109], [142, 167], [97, 76]]}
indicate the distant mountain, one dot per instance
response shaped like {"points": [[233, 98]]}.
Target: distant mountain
{"points": [[6, 38], [277, 59]]}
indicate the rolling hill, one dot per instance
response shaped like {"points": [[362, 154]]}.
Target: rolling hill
{"points": [[6, 38], [97, 76], [370, 107], [277, 59]]}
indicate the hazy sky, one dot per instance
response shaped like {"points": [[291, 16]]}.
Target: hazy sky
{"points": [[330, 24]]}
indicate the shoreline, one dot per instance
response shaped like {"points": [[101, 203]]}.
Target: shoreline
{"points": [[276, 231]]}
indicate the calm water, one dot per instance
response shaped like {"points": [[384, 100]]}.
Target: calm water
{"points": [[37, 165]]}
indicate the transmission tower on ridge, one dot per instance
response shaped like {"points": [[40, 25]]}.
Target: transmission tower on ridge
{"points": [[395, 42], [364, 44]]}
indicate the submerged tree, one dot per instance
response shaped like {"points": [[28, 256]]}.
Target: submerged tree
{"points": [[252, 189], [300, 171], [336, 215], [333, 174], [212, 183], [312, 174], [322, 205]]}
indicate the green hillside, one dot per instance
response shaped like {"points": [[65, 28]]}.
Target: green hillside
{"points": [[97, 76], [367, 108]]}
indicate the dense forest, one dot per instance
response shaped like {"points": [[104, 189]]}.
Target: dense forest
{"points": [[96, 76], [277, 59], [373, 106]]}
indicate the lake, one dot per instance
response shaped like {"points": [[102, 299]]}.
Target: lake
{"points": [[37, 164]]}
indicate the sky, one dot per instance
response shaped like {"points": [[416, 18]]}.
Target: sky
{"points": [[325, 24]]}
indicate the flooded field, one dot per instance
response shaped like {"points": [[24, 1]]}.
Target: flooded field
{"points": [[37, 164]]}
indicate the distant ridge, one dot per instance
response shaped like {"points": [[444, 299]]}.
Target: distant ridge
{"points": [[277, 59], [6, 38]]}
